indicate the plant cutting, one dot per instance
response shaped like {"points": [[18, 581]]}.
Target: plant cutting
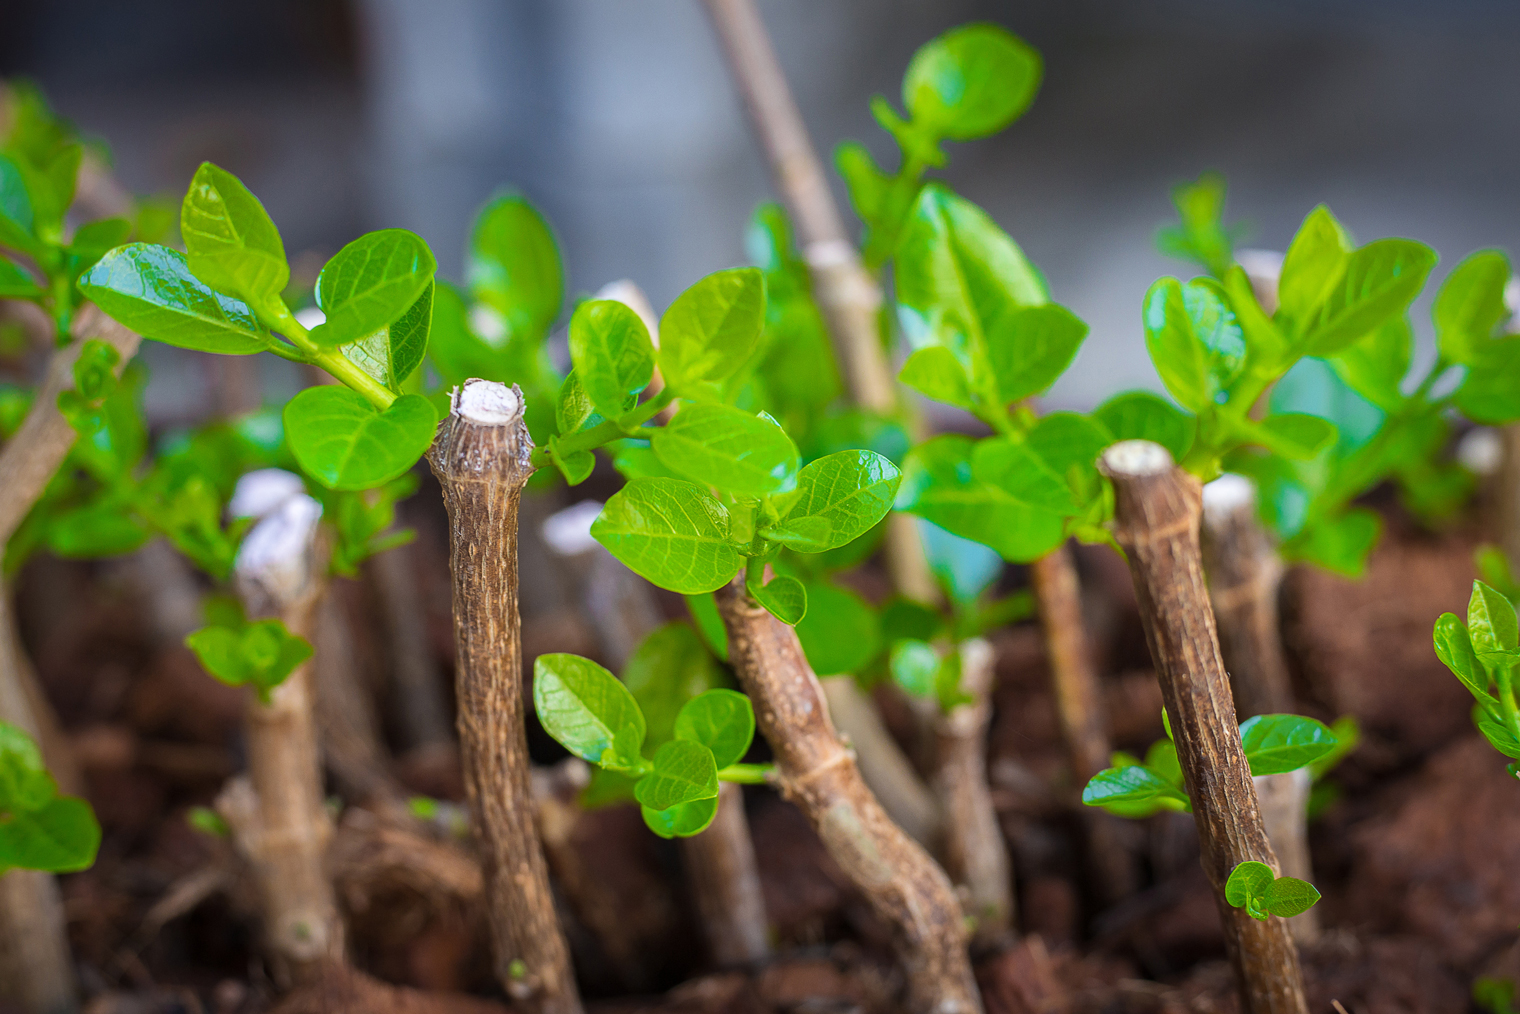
{"points": [[1484, 654]]}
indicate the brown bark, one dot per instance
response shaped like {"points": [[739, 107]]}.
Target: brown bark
{"points": [[481, 459], [421, 709], [1157, 509], [1079, 710], [277, 815], [976, 857], [36, 972], [1244, 574], [720, 863], [818, 773]]}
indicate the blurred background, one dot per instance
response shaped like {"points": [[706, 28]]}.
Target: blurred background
{"points": [[617, 118]]}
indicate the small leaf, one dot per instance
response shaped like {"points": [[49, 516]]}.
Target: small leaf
{"points": [[670, 667], [1341, 545], [24, 783], [612, 353], [721, 720], [851, 490], [1015, 469], [1194, 340], [840, 632], [1380, 281], [725, 447], [150, 290], [712, 328], [936, 373], [1455, 649], [1248, 880], [683, 771], [1275, 744], [783, 597], [371, 282], [807, 534], [671, 532], [1313, 265], [1130, 784], [17, 283], [1488, 394], [588, 712], [231, 243], [971, 81], [1286, 897], [345, 443], [682, 820], [393, 353], [1470, 305], [1030, 347], [572, 408], [1491, 623], [514, 266], [62, 836], [914, 665]]}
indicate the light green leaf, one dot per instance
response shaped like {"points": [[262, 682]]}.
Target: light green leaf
{"points": [[1455, 649], [24, 782], [721, 720], [1488, 394], [60, 837], [16, 282], [1194, 340], [1247, 880], [936, 373], [682, 820], [1286, 897], [514, 266], [1470, 305], [1275, 744], [1491, 623], [260, 655], [851, 490], [684, 771], [726, 447], [1141, 415], [150, 289], [971, 81], [1016, 470], [669, 667], [671, 532], [1295, 435], [573, 408], [807, 534], [588, 712], [1376, 366], [1069, 444], [840, 633], [1133, 783], [1029, 347], [371, 282], [391, 354], [783, 597], [1313, 266], [612, 353], [231, 243], [712, 329], [345, 443], [914, 665], [1380, 281]]}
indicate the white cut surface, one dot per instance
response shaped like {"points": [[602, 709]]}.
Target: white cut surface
{"points": [[487, 402], [1227, 495], [1137, 457]]}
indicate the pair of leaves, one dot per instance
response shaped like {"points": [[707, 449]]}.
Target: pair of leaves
{"points": [[259, 654], [1254, 887], [40, 829]]}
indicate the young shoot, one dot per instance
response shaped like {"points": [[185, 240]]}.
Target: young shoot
{"points": [[1484, 654], [40, 829], [1254, 887]]}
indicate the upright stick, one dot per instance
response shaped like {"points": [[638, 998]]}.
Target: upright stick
{"points": [[481, 458], [1245, 573], [818, 773], [1157, 509]]}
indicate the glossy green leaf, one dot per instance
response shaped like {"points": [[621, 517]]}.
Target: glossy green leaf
{"points": [[1015, 469], [1141, 415], [1295, 435], [1274, 744], [1380, 281], [150, 289], [684, 771], [840, 633], [1194, 340], [939, 485], [1313, 266], [1470, 305], [971, 81], [514, 266], [393, 353], [231, 243], [612, 353], [1498, 734], [1455, 649], [572, 408], [936, 373], [783, 597], [808, 534], [852, 490], [671, 532], [1286, 897], [371, 282], [669, 667], [682, 820], [721, 720], [712, 329], [1134, 783], [1029, 347], [61, 836], [1492, 625], [726, 447], [1488, 394], [345, 443], [1246, 881], [914, 665], [588, 712]]}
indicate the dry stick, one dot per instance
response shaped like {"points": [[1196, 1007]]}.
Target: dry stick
{"points": [[1157, 509], [481, 459], [975, 853], [817, 772], [34, 958], [276, 813], [1079, 710], [850, 299], [1245, 573]]}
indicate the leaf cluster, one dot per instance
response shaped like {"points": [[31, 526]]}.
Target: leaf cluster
{"points": [[239, 652], [39, 828], [1484, 653], [1254, 887]]}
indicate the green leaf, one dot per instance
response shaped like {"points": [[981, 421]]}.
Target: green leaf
{"points": [[514, 266], [572, 408], [17, 216], [1488, 394], [612, 353], [60, 837], [1286, 897], [726, 447], [231, 243], [260, 655], [1454, 648], [721, 720], [712, 329], [1491, 623], [939, 485], [671, 532], [936, 373], [1141, 415], [783, 597], [1341, 545], [16, 282], [684, 771], [1029, 347], [1194, 340], [371, 282], [868, 186], [682, 820], [963, 568], [1470, 305], [914, 665], [1126, 785], [971, 81], [1247, 880], [1016, 470], [457, 352], [1313, 266], [1201, 235], [807, 534], [1380, 281], [1295, 435], [669, 667], [150, 290], [1498, 734], [840, 633], [393, 353], [1275, 744], [704, 612], [588, 712], [851, 490], [24, 782], [1163, 761], [345, 443], [1376, 366]]}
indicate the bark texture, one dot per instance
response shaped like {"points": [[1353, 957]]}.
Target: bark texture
{"points": [[976, 857], [1245, 574], [277, 814], [1157, 508], [725, 882], [481, 459], [817, 772]]}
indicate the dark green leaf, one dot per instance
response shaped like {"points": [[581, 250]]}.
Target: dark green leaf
{"points": [[840, 632], [391, 354], [671, 532], [612, 353], [231, 243], [588, 712], [150, 289], [852, 490], [1141, 415], [721, 720], [684, 771], [1470, 305], [371, 282], [712, 329], [1275, 744], [1029, 347], [971, 81], [514, 266], [725, 447], [344, 442]]}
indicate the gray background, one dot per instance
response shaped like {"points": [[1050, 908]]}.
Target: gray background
{"points": [[617, 118]]}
